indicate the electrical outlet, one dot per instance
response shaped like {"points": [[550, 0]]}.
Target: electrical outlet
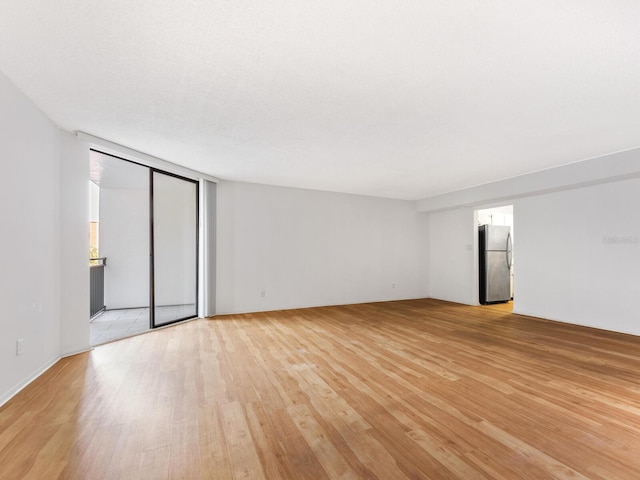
{"points": [[19, 346], [263, 293], [393, 285]]}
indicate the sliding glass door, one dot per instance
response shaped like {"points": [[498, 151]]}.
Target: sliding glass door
{"points": [[145, 236], [119, 253], [174, 243]]}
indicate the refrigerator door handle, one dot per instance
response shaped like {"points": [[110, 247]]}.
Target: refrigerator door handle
{"points": [[509, 250]]}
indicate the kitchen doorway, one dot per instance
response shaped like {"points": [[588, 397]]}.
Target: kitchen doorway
{"points": [[496, 257]]}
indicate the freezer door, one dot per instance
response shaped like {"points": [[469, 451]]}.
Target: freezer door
{"points": [[498, 277], [496, 237]]}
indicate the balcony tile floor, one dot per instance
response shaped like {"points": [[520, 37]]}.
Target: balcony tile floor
{"points": [[115, 324]]}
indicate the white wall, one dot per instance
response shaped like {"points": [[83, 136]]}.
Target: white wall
{"points": [[302, 248], [30, 240], [94, 200], [496, 216], [579, 256], [74, 245], [175, 222], [452, 263], [124, 240], [207, 244]]}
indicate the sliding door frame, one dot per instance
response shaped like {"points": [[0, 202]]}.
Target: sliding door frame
{"points": [[152, 278], [153, 170]]}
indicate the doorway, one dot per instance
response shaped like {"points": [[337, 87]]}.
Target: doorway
{"points": [[502, 218], [145, 240]]}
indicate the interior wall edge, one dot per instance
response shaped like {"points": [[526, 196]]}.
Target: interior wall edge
{"points": [[614, 167], [73, 284]]}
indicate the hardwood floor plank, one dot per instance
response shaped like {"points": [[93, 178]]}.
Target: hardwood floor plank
{"points": [[446, 454], [372, 454], [535, 455], [214, 458], [272, 455], [243, 456], [154, 464], [417, 389], [323, 448], [10, 430], [98, 452]]}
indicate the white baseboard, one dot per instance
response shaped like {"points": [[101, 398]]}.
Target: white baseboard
{"points": [[76, 352], [6, 396]]}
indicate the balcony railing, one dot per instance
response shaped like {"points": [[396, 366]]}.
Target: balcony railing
{"points": [[96, 285]]}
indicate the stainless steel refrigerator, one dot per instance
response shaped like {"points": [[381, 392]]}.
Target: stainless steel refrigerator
{"points": [[494, 242]]}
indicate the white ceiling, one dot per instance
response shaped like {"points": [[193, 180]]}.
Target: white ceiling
{"points": [[386, 98]]}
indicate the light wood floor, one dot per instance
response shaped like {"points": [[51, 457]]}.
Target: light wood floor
{"points": [[413, 389]]}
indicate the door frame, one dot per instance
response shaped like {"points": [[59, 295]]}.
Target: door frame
{"points": [[152, 279], [151, 239]]}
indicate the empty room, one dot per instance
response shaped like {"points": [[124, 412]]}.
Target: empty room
{"points": [[341, 239]]}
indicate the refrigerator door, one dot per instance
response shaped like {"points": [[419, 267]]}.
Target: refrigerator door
{"points": [[497, 237], [495, 257], [497, 277]]}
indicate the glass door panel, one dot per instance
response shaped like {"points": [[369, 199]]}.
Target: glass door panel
{"points": [[175, 248], [120, 239]]}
